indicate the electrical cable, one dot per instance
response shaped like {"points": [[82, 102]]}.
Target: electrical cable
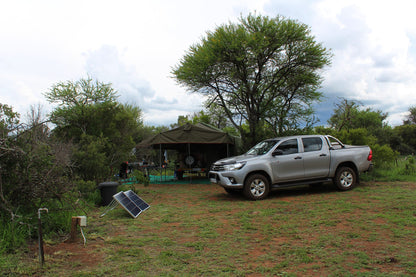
{"points": [[82, 232]]}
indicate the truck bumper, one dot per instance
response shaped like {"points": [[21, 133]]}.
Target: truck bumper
{"points": [[226, 179]]}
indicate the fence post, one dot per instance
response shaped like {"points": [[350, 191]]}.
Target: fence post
{"points": [[41, 253]]}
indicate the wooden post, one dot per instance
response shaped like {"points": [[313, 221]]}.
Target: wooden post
{"points": [[40, 238], [73, 234]]}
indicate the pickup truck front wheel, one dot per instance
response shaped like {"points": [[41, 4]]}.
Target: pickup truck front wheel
{"points": [[345, 178], [256, 187]]}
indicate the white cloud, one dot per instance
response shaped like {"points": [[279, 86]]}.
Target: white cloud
{"points": [[135, 44], [108, 65], [372, 45]]}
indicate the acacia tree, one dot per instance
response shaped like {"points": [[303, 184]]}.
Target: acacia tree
{"points": [[103, 131], [349, 114], [258, 71]]}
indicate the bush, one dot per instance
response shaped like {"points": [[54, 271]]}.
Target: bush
{"points": [[409, 166], [12, 235], [383, 155], [140, 178], [89, 191], [359, 136]]}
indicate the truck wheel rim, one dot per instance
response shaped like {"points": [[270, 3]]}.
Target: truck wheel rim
{"points": [[257, 187], [346, 179]]}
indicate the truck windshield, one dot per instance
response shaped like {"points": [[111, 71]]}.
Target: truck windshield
{"points": [[262, 147]]}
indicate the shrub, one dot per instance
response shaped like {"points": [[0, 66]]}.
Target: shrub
{"points": [[383, 155], [409, 166], [359, 136], [12, 235], [140, 178], [89, 191]]}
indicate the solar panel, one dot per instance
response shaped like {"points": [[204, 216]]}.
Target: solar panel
{"points": [[131, 202], [137, 200]]}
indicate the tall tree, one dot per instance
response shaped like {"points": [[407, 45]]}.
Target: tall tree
{"points": [[257, 71], [411, 117], [103, 130], [349, 114]]}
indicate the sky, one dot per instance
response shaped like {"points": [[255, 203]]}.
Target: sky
{"points": [[134, 44]]}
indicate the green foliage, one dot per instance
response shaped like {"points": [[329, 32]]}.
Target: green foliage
{"points": [[89, 191], [12, 235], [410, 166], [411, 117], [35, 171], [33, 167], [401, 169], [404, 139], [383, 155], [83, 92], [91, 159], [103, 130], [351, 115], [9, 120], [140, 178], [261, 71], [359, 136], [199, 117], [321, 130], [58, 220]]}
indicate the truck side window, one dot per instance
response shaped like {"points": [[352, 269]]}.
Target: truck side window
{"points": [[289, 147], [312, 144]]}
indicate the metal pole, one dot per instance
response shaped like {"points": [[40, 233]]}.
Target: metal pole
{"points": [[41, 252], [160, 161], [190, 166]]}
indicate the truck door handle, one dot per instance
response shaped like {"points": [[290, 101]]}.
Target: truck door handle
{"points": [[298, 158], [322, 155]]}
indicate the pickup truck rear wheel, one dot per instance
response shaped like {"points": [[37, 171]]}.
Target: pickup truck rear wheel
{"points": [[256, 187], [345, 178]]}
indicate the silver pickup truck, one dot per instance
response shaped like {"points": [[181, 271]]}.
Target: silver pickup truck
{"points": [[291, 161]]}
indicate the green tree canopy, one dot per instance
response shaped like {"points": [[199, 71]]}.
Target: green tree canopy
{"points": [[411, 117], [260, 71], [103, 130], [349, 114]]}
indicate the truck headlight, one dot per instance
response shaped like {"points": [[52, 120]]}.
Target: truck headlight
{"points": [[235, 166]]}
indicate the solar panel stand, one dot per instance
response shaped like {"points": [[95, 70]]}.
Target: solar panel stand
{"points": [[110, 207]]}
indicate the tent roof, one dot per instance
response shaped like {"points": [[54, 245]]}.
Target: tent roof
{"points": [[190, 133]]}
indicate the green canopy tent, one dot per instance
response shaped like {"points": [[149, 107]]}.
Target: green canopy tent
{"points": [[197, 145]]}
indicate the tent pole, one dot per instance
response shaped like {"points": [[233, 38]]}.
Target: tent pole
{"points": [[160, 161], [189, 154]]}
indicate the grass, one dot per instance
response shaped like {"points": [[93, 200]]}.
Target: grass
{"points": [[403, 169], [196, 229]]}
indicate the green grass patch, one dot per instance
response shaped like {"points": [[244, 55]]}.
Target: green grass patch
{"points": [[198, 229]]}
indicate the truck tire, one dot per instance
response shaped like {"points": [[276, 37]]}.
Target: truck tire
{"points": [[345, 178], [256, 187]]}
